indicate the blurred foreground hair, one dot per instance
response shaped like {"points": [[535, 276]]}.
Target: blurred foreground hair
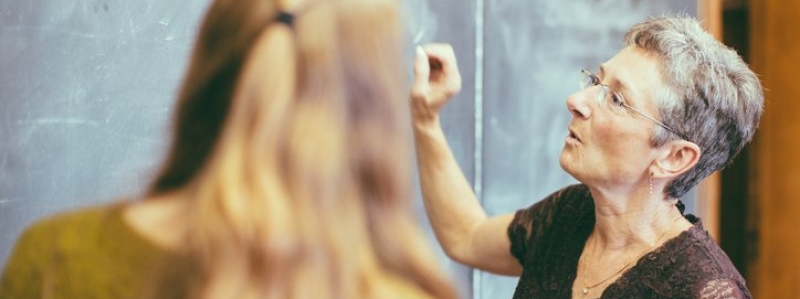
{"points": [[292, 144]]}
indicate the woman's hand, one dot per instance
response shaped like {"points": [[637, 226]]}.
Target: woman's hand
{"points": [[436, 80]]}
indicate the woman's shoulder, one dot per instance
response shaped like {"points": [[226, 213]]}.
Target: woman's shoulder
{"points": [[566, 212], [82, 219], [701, 250], [77, 230], [700, 266], [38, 242], [690, 265], [87, 242]]}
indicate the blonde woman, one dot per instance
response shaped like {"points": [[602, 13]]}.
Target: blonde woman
{"points": [[288, 175]]}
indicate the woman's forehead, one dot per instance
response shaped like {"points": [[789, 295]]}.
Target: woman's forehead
{"points": [[636, 72]]}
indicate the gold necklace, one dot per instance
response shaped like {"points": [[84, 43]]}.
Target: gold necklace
{"points": [[587, 287]]}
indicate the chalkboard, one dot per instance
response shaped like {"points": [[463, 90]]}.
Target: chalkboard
{"points": [[87, 89]]}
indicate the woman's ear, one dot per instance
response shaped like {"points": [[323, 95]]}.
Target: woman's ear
{"points": [[676, 158]]}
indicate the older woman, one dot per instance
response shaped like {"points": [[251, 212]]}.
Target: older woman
{"points": [[670, 108]]}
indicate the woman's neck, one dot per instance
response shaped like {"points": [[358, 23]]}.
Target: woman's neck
{"points": [[637, 219]]}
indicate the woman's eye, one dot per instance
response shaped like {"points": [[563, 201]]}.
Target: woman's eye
{"points": [[616, 99]]}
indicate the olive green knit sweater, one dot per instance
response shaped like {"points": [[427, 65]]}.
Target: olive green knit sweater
{"points": [[91, 253]]}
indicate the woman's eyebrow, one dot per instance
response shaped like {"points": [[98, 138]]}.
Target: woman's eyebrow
{"points": [[617, 84]]}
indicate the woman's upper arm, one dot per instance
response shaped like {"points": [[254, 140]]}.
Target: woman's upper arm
{"points": [[490, 247], [500, 244]]}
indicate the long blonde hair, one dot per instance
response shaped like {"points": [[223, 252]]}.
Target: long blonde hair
{"points": [[293, 146]]}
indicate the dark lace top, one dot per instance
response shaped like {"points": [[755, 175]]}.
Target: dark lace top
{"points": [[548, 238]]}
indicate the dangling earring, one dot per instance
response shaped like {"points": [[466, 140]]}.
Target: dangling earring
{"points": [[651, 183]]}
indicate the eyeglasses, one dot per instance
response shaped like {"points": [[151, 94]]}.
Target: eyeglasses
{"points": [[614, 100]]}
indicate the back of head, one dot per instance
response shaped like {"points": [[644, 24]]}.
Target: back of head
{"points": [[292, 144], [711, 96]]}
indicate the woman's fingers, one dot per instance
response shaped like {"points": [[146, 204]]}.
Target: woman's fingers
{"points": [[436, 78], [421, 87]]}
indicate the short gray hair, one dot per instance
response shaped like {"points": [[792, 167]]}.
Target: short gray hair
{"points": [[711, 97]]}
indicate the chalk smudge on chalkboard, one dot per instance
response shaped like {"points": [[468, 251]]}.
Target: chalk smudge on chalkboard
{"points": [[420, 21], [57, 121]]}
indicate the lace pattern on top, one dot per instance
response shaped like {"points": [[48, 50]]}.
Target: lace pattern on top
{"points": [[548, 239]]}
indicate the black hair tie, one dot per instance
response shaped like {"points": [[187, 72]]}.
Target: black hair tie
{"points": [[285, 18]]}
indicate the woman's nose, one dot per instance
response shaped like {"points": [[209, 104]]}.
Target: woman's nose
{"points": [[578, 103]]}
